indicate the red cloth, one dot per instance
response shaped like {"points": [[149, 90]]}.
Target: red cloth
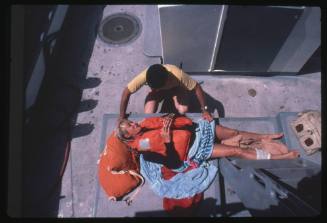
{"points": [[180, 207]]}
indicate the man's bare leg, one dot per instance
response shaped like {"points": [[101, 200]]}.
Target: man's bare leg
{"points": [[152, 101], [150, 107], [181, 100], [182, 109]]}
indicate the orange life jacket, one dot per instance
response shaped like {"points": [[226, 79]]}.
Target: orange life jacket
{"points": [[118, 170], [152, 141]]}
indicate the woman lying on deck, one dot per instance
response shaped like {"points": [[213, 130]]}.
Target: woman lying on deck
{"points": [[227, 142], [172, 144]]}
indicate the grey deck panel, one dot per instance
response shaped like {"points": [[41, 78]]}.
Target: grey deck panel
{"points": [[182, 32], [152, 33], [215, 203], [252, 37]]}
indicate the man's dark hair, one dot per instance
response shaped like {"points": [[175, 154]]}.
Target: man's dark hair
{"points": [[156, 75]]}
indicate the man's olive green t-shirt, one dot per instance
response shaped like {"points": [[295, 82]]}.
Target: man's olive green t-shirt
{"points": [[176, 78]]}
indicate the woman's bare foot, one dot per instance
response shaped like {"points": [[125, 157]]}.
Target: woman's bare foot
{"points": [[272, 136], [290, 155], [274, 147]]}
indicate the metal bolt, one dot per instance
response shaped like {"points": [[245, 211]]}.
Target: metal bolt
{"points": [[50, 15], [41, 36]]}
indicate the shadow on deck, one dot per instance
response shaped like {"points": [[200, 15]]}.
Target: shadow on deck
{"points": [[49, 129]]}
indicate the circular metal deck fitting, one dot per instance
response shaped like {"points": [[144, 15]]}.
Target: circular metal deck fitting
{"points": [[120, 29], [252, 92]]}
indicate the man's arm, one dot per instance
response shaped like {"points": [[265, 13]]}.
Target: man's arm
{"points": [[124, 102], [134, 85], [200, 95]]}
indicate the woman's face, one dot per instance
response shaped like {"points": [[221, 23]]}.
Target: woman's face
{"points": [[132, 128]]}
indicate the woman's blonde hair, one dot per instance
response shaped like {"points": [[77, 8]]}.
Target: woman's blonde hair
{"points": [[121, 131]]}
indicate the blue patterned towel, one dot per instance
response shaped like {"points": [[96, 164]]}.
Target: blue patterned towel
{"points": [[194, 181]]}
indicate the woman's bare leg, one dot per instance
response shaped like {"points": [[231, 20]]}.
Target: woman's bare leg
{"points": [[290, 155], [269, 136], [274, 147], [223, 132], [221, 150]]}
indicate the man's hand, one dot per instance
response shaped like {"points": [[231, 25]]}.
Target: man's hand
{"points": [[207, 116], [165, 131], [120, 118], [169, 115], [200, 95]]}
